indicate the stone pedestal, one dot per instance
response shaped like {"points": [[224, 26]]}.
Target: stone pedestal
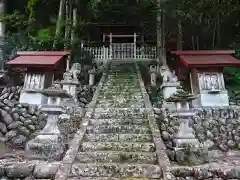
{"points": [[48, 144], [185, 134], [34, 83], [32, 97], [169, 88], [209, 87], [71, 87], [91, 79], [219, 99]]}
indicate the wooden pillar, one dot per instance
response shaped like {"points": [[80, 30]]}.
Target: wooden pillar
{"points": [[104, 37], [135, 50], [110, 39], [68, 63]]}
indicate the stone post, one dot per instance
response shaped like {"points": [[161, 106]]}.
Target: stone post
{"points": [[92, 76], [153, 75]]}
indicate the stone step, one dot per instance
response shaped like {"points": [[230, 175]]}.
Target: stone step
{"points": [[116, 156], [116, 170], [116, 105], [118, 137], [131, 95], [120, 121], [138, 129], [121, 110], [119, 98], [117, 146], [100, 115], [109, 178]]}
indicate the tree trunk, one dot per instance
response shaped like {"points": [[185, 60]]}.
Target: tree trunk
{"points": [[67, 22], [59, 21], [179, 35], [164, 61], [2, 34], [214, 35], [74, 20], [159, 32], [218, 31]]}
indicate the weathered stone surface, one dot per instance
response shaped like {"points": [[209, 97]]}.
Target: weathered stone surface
{"points": [[118, 146], [19, 170], [117, 136], [115, 170], [117, 156], [45, 170]]}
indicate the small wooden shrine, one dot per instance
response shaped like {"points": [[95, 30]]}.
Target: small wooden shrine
{"points": [[205, 71], [42, 69]]}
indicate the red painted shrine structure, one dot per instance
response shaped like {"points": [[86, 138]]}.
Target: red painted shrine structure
{"points": [[204, 69], [42, 68]]}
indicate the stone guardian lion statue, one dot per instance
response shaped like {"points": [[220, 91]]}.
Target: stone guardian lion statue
{"points": [[73, 73]]}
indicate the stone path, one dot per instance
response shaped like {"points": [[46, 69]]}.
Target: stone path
{"points": [[118, 142]]}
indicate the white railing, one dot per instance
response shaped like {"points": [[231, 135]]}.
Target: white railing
{"points": [[124, 51]]}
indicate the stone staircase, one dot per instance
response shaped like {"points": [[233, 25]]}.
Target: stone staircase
{"points": [[118, 142]]}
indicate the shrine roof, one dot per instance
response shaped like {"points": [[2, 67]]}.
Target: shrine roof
{"points": [[204, 59], [38, 58]]}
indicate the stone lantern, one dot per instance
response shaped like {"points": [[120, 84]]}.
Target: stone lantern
{"points": [[185, 134], [48, 144]]}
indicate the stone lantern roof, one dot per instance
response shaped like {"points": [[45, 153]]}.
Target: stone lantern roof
{"points": [[181, 96]]}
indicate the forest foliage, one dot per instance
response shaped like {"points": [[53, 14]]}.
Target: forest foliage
{"points": [[59, 24]]}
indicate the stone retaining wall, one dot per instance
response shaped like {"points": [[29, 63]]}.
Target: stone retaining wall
{"points": [[10, 169], [216, 128], [207, 172], [219, 128], [18, 122]]}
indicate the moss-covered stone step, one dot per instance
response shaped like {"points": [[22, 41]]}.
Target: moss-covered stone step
{"points": [[116, 170], [110, 137], [101, 115], [118, 146], [116, 156], [120, 121], [108, 104], [122, 93], [138, 129], [119, 98], [110, 178], [121, 110]]}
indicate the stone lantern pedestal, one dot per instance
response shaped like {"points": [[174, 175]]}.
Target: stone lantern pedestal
{"points": [[185, 134], [48, 144]]}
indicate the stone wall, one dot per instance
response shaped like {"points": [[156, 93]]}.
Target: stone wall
{"points": [[18, 122], [168, 126], [219, 128], [215, 128], [206, 172], [85, 93], [11, 169]]}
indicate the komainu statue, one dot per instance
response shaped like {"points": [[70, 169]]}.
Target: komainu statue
{"points": [[73, 73], [167, 75]]}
